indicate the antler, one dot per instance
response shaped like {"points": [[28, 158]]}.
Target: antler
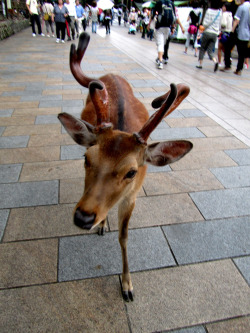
{"points": [[76, 58], [168, 103], [99, 97]]}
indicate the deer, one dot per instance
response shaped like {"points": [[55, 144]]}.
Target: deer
{"points": [[114, 127]]}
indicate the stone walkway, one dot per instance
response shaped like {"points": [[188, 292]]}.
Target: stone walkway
{"points": [[189, 238]]}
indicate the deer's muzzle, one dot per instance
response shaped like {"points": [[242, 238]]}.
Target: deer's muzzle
{"points": [[84, 220]]}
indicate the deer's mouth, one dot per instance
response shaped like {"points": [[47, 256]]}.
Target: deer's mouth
{"points": [[84, 220]]}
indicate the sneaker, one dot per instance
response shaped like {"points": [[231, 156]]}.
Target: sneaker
{"points": [[48, 36], [199, 66], [195, 55], [157, 61], [69, 38], [42, 35], [34, 35], [165, 61], [246, 66], [160, 65], [53, 36], [225, 69], [57, 40], [220, 65], [185, 52], [63, 41]]}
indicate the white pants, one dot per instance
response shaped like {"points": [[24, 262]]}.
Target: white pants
{"points": [[79, 24], [161, 36]]}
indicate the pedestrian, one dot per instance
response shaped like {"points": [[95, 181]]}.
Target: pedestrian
{"points": [[145, 22], [94, 16], [71, 18], [239, 37], [165, 19], [33, 9], [119, 15], [211, 23], [125, 17], [48, 9], [107, 20], [60, 14], [194, 18], [226, 25], [79, 17]]}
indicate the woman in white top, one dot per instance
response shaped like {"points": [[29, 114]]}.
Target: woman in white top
{"points": [[48, 9], [226, 24], [211, 23], [94, 16]]}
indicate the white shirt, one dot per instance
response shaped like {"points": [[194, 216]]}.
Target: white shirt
{"points": [[71, 8], [33, 6]]}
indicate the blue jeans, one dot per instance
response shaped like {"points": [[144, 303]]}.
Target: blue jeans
{"points": [[94, 24]]}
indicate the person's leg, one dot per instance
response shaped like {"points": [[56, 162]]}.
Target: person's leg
{"points": [[242, 50], [57, 31], [203, 49], [210, 50], [72, 26], [187, 42], [38, 23], [32, 20], [63, 31], [166, 47], [68, 31], [47, 27]]}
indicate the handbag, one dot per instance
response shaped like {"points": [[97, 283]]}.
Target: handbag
{"points": [[192, 29], [46, 15], [224, 37]]}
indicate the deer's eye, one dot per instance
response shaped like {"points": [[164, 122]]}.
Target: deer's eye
{"points": [[131, 174]]}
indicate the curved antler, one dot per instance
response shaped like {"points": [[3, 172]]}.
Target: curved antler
{"points": [[168, 103], [99, 97], [157, 117], [76, 58]]}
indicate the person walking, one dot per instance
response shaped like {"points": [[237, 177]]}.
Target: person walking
{"points": [[211, 23], [107, 20], [94, 16], [79, 17], [165, 13], [194, 18], [60, 14], [240, 39], [32, 7], [48, 9], [71, 18]]}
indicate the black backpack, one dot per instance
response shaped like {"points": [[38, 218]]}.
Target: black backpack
{"points": [[167, 16]]}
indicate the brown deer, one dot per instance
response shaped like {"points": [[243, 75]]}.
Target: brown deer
{"points": [[114, 127]]}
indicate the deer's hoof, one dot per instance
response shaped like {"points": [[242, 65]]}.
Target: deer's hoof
{"points": [[128, 295], [101, 231]]}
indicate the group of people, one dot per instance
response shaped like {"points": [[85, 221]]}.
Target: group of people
{"points": [[69, 17]]}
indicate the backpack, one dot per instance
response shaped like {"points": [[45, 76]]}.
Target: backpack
{"points": [[167, 16]]}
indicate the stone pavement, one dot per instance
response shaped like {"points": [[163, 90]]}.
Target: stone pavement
{"points": [[189, 238]]}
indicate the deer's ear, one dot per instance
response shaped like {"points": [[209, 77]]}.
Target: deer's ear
{"points": [[163, 153], [77, 129]]}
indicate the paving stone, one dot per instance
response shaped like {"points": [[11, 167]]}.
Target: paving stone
{"points": [[195, 329], [176, 133], [24, 120], [71, 190], [28, 194], [72, 152], [160, 210], [14, 141], [9, 173], [152, 168], [83, 257], [52, 170], [30, 154], [180, 181], [237, 325], [211, 240], [223, 203], [41, 222], [214, 131], [203, 159], [240, 156], [51, 140], [244, 264], [49, 104], [2, 130], [191, 113], [27, 263], [197, 292], [148, 83], [46, 119], [4, 214], [6, 112], [82, 306], [190, 122], [35, 92], [233, 176], [217, 143], [33, 129]]}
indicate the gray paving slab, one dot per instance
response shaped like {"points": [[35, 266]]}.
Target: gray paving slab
{"points": [[29, 194], [67, 103], [223, 203], [152, 168], [38, 97], [72, 152], [9, 173], [176, 133], [23, 92], [83, 257], [6, 112], [46, 119], [146, 83], [240, 156], [244, 266], [192, 113], [210, 240], [195, 329], [4, 214], [14, 141], [233, 176]]}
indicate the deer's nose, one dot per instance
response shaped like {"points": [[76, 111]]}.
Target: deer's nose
{"points": [[84, 220]]}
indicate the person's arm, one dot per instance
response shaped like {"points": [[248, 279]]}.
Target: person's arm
{"points": [[28, 6], [235, 24], [181, 26]]}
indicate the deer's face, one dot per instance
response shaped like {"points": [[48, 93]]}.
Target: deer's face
{"points": [[113, 169]]}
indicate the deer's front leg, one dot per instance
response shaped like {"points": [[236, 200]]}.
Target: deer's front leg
{"points": [[124, 213]]}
